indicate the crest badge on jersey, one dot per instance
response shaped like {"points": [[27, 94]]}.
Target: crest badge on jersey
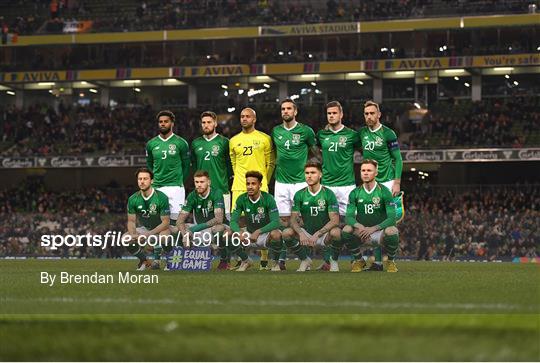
{"points": [[172, 149], [322, 204], [209, 205], [153, 208], [296, 139], [378, 141], [215, 150], [376, 201], [342, 141]]}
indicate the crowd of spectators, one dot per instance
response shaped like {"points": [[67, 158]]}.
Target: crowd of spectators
{"points": [[43, 130], [488, 123], [30, 211], [482, 222], [181, 14], [488, 223]]}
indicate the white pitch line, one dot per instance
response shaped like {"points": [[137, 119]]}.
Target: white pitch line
{"points": [[285, 303]]}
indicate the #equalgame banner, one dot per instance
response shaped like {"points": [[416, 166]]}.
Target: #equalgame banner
{"points": [[190, 259]]}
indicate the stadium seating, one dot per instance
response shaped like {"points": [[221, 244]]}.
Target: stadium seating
{"points": [[132, 15], [42, 130]]}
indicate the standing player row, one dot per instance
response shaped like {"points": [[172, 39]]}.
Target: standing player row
{"points": [[169, 156]]}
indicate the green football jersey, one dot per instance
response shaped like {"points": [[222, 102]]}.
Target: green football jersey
{"points": [[203, 207], [292, 151], [315, 208], [168, 159], [148, 210], [261, 214], [338, 156], [378, 145], [213, 156], [370, 208]]}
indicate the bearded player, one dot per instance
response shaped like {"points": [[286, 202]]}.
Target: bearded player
{"points": [[206, 205], [148, 215], [167, 156], [380, 143], [292, 140]]}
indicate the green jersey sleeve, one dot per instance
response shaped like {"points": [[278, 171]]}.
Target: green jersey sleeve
{"points": [[164, 205], [395, 153], [350, 216], [131, 207], [357, 141], [273, 214], [218, 199], [189, 204], [297, 201], [186, 159], [310, 137], [333, 205]]}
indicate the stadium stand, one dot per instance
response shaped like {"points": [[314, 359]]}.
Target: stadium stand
{"points": [[32, 16], [489, 222], [44, 130]]}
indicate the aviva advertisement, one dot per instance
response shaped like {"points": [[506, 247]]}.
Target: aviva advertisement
{"points": [[233, 70]]}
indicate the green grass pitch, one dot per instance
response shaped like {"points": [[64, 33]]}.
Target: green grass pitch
{"points": [[426, 311]]}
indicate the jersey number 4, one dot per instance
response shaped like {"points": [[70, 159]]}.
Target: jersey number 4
{"points": [[248, 150]]}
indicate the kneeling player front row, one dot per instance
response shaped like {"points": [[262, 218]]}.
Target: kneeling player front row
{"points": [[370, 222]]}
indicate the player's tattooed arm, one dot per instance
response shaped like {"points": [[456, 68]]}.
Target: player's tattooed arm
{"points": [[164, 225], [333, 222], [218, 219], [181, 222], [131, 227], [295, 222]]}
